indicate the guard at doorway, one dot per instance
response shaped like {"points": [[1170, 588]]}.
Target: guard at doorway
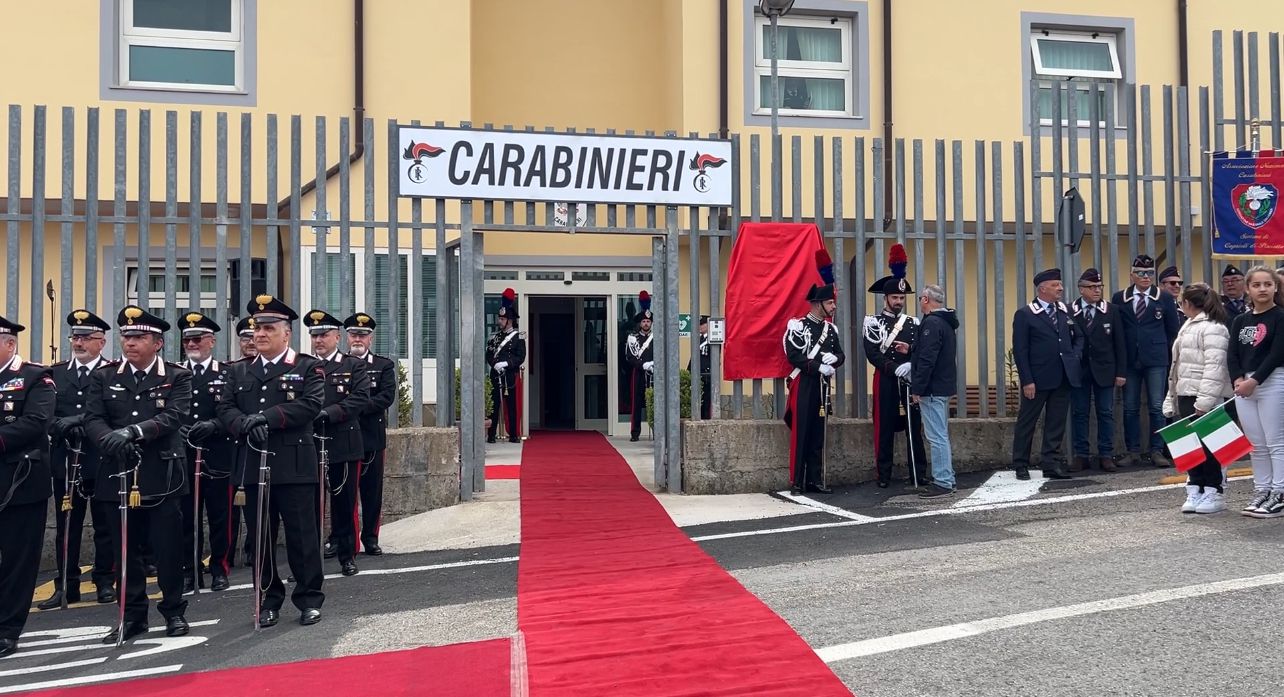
{"points": [[641, 358], [505, 353], [374, 425], [814, 350], [706, 369], [889, 339]]}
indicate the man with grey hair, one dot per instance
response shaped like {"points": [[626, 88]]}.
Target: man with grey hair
{"points": [[933, 375]]}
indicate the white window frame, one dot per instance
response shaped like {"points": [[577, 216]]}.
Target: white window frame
{"points": [[134, 279], [804, 69], [1109, 39], [1083, 120], [233, 41]]}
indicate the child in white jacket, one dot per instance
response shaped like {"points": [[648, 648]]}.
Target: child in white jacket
{"points": [[1197, 383]]}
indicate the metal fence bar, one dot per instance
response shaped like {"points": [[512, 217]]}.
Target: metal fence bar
{"points": [[658, 432], [942, 270], [194, 270], [394, 303], [1170, 184], [1206, 130], [171, 235], [1147, 171], [246, 233], [120, 166], [1219, 73], [472, 260], [1254, 101], [755, 214], [1134, 223], [1276, 122], [67, 207], [673, 421], [860, 375], [296, 211], [144, 209], [960, 262], [416, 334], [1036, 183], [982, 311], [1183, 164], [220, 213], [92, 143], [693, 308], [1112, 192], [36, 317], [1094, 180], [321, 245], [737, 386], [1018, 215], [1241, 126], [347, 296], [1000, 296], [272, 277], [13, 206], [715, 310], [445, 354], [919, 225]]}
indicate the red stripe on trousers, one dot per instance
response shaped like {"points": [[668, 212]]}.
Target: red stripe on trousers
{"points": [[877, 379], [791, 408], [356, 522]]}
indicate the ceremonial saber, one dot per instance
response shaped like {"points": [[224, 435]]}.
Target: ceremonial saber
{"points": [[126, 501], [909, 434], [265, 475], [824, 434], [196, 520], [68, 502], [322, 486], [53, 344]]}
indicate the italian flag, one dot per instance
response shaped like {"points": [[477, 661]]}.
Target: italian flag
{"points": [[1183, 443], [1222, 436]]}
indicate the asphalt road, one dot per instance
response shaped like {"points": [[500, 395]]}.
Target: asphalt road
{"points": [[1096, 586]]}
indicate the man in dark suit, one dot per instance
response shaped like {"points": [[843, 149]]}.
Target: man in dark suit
{"points": [[1104, 365], [347, 396], [1150, 320], [26, 408], [1048, 350], [203, 430], [1234, 296], [374, 425], [271, 403], [76, 488], [135, 412], [706, 369]]}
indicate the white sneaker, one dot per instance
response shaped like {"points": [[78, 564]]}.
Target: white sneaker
{"points": [[1260, 497], [1193, 497], [1212, 502]]}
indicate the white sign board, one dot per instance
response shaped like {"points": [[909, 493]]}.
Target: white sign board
{"points": [[520, 166], [717, 330]]}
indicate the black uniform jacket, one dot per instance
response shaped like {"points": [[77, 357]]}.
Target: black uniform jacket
{"points": [[207, 390], [347, 397], [502, 349], [159, 406], [290, 395], [886, 361], [1105, 355], [72, 400], [26, 407], [383, 392]]}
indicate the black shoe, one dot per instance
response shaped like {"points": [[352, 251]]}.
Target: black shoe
{"points": [[373, 549], [935, 491], [268, 618], [7, 646], [106, 594], [132, 629], [1022, 472], [796, 490], [820, 489], [219, 583], [490, 439], [149, 570], [1055, 473], [189, 584], [331, 551], [514, 440], [349, 568], [310, 616], [176, 626], [55, 600], [883, 484], [633, 439]]}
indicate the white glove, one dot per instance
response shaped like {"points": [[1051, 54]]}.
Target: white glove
{"points": [[648, 366], [501, 366], [828, 358], [826, 370], [903, 371]]}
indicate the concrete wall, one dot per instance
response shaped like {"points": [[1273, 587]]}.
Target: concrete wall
{"points": [[421, 472], [742, 457]]}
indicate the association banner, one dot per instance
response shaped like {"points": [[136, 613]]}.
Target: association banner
{"points": [[1246, 218]]}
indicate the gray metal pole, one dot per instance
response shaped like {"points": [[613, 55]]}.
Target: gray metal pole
{"points": [[469, 336], [657, 308], [673, 408]]}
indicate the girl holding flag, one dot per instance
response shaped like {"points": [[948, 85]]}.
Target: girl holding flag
{"points": [[1197, 384], [1256, 353]]}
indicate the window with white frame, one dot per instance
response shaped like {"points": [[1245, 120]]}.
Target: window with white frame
{"points": [[376, 297], [182, 44], [814, 61], [1087, 62]]}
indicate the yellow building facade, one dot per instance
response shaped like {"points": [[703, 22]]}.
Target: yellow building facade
{"points": [[948, 71]]}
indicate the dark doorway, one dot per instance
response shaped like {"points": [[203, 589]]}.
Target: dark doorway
{"points": [[556, 331]]}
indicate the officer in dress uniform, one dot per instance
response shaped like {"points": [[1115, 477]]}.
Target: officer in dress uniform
{"points": [[1150, 322], [1233, 294], [271, 403], [640, 355], [813, 348], [706, 368], [26, 408], [203, 430], [1048, 350], [374, 425], [135, 412], [1104, 368], [889, 338], [67, 433], [245, 336], [347, 397], [505, 353]]}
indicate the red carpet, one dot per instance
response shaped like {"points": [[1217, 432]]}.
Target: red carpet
{"points": [[615, 600], [477, 669], [503, 472]]}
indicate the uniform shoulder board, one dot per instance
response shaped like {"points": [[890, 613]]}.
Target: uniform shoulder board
{"points": [[794, 325], [60, 364], [521, 335], [176, 365]]}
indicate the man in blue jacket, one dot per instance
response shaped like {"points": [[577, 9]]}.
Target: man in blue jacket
{"points": [[1048, 349], [1150, 322]]}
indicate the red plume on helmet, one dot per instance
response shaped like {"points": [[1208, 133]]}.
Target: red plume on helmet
{"points": [[508, 304], [644, 301], [825, 265], [897, 261]]}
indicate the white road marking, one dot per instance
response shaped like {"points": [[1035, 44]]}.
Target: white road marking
{"points": [[52, 666], [813, 503], [91, 634], [163, 644], [946, 511], [1004, 486], [90, 679], [936, 635], [388, 572]]}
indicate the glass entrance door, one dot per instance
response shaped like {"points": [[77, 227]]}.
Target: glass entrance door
{"points": [[591, 351]]}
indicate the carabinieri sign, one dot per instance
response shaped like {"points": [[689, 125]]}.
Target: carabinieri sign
{"points": [[1246, 203], [521, 166]]}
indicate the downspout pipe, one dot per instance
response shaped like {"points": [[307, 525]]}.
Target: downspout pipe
{"points": [[888, 194], [358, 115], [724, 116], [1183, 42]]}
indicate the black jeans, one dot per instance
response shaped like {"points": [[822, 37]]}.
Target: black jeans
{"points": [[1208, 472]]}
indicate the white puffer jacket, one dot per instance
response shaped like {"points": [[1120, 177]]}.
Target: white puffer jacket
{"points": [[1199, 365]]}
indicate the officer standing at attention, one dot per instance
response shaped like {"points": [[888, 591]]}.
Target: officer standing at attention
{"points": [[135, 413], [706, 368], [1048, 350], [374, 425], [1104, 368], [641, 358], [889, 338], [813, 348], [203, 430], [347, 397], [1150, 320], [245, 335], [271, 403], [26, 406], [505, 353], [66, 433]]}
